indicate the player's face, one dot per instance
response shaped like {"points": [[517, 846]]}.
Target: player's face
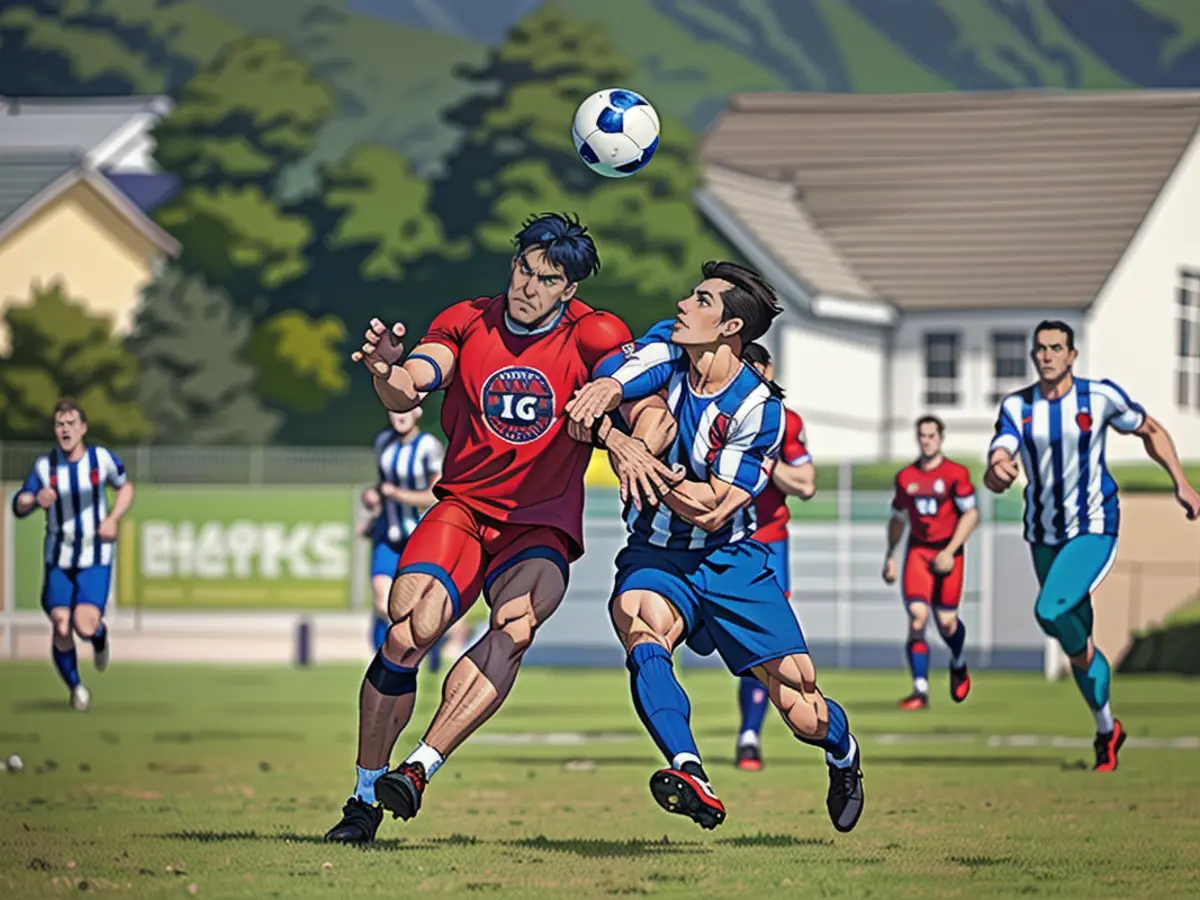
{"points": [[537, 286], [1051, 354], [929, 440], [403, 422], [698, 316], [69, 430]]}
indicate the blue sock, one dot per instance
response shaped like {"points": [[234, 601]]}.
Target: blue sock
{"points": [[100, 638], [752, 701], [955, 642], [379, 630], [837, 742], [67, 664], [660, 701], [918, 661], [364, 790], [1093, 681]]}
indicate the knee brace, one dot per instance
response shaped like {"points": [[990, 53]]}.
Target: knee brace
{"points": [[390, 679]]}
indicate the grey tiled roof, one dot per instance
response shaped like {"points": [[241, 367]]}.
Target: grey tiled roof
{"points": [[24, 175]]}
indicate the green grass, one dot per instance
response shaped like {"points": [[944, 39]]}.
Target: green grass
{"points": [[226, 778]]}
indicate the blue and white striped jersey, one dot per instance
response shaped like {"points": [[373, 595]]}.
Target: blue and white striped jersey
{"points": [[732, 435], [72, 523], [413, 466], [1061, 444]]}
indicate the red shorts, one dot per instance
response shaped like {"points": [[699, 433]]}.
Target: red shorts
{"points": [[467, 552], [922, 584]]}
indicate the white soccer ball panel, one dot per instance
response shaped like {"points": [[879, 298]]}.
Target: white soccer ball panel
{"points": [[613, 149], [641, 125], [589, 113]]}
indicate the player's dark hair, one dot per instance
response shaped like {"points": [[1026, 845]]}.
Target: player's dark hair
{"points": [[564, 241], [757, 355], [748, 298], [932, 420], [66, 405], [1055, 325]]}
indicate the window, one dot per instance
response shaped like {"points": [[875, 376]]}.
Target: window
{"points": [[1187, 349], [941, 368], [1010, 355]]}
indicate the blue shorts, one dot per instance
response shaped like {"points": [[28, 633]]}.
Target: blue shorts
{"points": [[780, 565], [68, 588], [385, 559], [729, 598]]}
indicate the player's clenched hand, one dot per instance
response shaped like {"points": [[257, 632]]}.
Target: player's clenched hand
{"points": [[943, 563], [1000, 475], [889, 571], [382, 348], [593, 400], [1189, 499], [107, 530], [644, 479], [46, 497]]}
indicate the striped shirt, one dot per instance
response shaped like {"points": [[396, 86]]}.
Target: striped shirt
{"points": [[73, 521], [410, 465], [1061, 443], [732, 435]]}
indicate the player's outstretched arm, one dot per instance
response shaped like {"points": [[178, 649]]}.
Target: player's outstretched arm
{"points": [[1161, 449], [1002, 463], [796, 481], [708, 505], [402, 383], [31, 496]]}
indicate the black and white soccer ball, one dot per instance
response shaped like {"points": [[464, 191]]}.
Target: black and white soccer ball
{"points": [[616, 132]]}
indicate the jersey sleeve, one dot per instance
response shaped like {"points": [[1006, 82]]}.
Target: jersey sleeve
{"points": [[794, 452], [1008, 434], [645, 366], [1123, 414], [33, 484], [600, 335], [963, 491], [449, 327], [434, 456], [744, 458], [112, 469], [899, 499]]}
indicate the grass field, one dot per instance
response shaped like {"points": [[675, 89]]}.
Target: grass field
{"points": [[219, 783]]}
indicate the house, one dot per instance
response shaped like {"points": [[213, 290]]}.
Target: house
{"points": [[77, 185], [916, 240]]}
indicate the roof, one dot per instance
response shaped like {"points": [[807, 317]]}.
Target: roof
{"points": [[29, 181], [947, 200], [84, 126], [146, 191]]}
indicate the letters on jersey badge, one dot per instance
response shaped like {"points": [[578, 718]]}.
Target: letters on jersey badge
{"points": [[518, 404]]}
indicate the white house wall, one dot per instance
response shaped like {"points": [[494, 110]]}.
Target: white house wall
{"points": [[1132, 333]]}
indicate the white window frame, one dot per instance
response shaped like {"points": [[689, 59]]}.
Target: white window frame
{"points": [[1187, 339], [942, 390]]}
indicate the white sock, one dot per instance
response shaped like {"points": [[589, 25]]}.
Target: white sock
{"points": [[1104, 719], [748, 738], [845, 761], [364, 789], [921, 685], [426, 756], [681, 758]]}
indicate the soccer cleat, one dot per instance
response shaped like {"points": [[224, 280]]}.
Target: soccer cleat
{"points": [[1107, 746], [100, 659], [81, 698], [400, 790], [960, 684], [915, 700], [360, 821], [749, 758], [845, 798], [686, 791]]}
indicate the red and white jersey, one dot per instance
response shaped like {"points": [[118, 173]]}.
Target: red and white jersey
{"points": [[771, 510], [508, 454], [933, 500]]}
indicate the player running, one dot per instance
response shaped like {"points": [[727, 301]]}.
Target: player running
{"points": [[690, 571], [793, 476], [509, 517], [1058, 427], [934, 495], [68, 483]]}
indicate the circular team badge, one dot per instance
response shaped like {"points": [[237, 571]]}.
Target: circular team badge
{"points": [[518, 404]]}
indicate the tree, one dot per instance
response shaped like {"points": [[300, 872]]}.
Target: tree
{"points": [[196, 385], [299, 360], [517, 158], [59, 349]]}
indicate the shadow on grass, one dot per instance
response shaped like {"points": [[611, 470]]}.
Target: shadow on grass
{"points": [[283, 837], [763, 839], [558, 761], [983, 760], [599, 848], [101, 710]]}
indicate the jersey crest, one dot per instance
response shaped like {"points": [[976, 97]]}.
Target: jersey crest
{"points": [[518, 404], [718, 436]]}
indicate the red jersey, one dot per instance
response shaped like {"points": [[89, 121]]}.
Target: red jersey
{"points": [[934, 500], [508, 454], [770, 506]]}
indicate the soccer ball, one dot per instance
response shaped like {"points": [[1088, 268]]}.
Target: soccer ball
{"points": [[615, 132]]}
